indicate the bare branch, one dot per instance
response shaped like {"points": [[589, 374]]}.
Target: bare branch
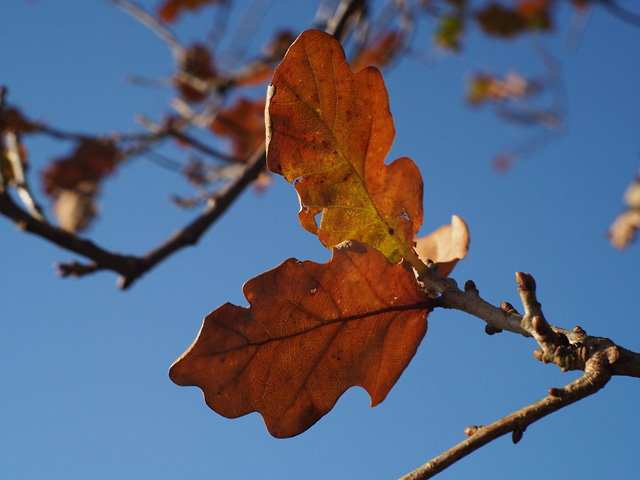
{"points": [[569, 349], [347, 11], [195, 143], [600, 358], [597, 373], [101, 257], [189, 235], [150, 21], [18, 168], [129, 267], [621, 13]]}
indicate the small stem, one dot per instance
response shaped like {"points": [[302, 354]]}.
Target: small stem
{"points": [[597, 374], [19, 177], [154, 25]]}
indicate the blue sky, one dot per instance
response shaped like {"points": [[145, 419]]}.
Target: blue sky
{"points": [[85, 389]]}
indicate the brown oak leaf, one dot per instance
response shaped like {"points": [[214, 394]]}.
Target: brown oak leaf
{"points": [[379, 51], [169, 10], [329, 130], [196, 71], [311, 332], [625, 227], [74, 182], [243, 125]]}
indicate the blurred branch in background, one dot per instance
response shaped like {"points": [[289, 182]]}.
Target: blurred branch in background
{"points": [[214, 99], [74, 181], [625, 227]]}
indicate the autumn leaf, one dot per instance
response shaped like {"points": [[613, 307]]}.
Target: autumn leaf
{"points": [[90, 161], [625, 227], [11, 119], [196, 71], [485, 87], [446, 246], [449, 31], [535, 13], [379, 51], [75, 209], [329, 130], [169, 10], [243, 125], [277, 46], [73, 182], [311, 332], [495, 19]]}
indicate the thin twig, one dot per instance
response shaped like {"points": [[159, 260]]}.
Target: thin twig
{"points": [[597, 374], [129, 267], [569, 349], [621, 13], [347, 10], [18, 168], [198, 145], [102, 258], [187, 236], [150, 21]]}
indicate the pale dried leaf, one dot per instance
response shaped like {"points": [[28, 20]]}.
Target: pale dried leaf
{"points": [[445, 246]]}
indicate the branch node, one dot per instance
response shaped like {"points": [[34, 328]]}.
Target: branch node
{"points": [[556, 392], [579, 330], [539, 354], [470, 286], [491, 330], [613, 354], [517, 434], [74, 269], [508, 308], [472, 430], [526, 283], [541, 326]]}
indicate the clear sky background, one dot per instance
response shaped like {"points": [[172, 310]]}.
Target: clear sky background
{"points": [[85, 392]]}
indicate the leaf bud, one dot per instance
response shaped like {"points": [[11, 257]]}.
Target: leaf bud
{"points": [[526, 283], [472, 430], [579, 330], [470, 285], [516, 436], [540, 326], [556, 392], [491, 330], [508, 308]]}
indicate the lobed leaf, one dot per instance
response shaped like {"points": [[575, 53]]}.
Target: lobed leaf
{"points": [[380, 51], [197, 69], [329, 130], [169, 10], [311, 332], [445, 246], [74, 181], [243, 125]]}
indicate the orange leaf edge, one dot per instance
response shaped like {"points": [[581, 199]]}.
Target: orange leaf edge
{"points": [[243, 362]]}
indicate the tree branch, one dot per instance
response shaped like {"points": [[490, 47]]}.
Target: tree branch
{"points": [[569, 349], [596, 375], [621, 13], [150, 21], [102, 258], [130, 267], [600, 358]]}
